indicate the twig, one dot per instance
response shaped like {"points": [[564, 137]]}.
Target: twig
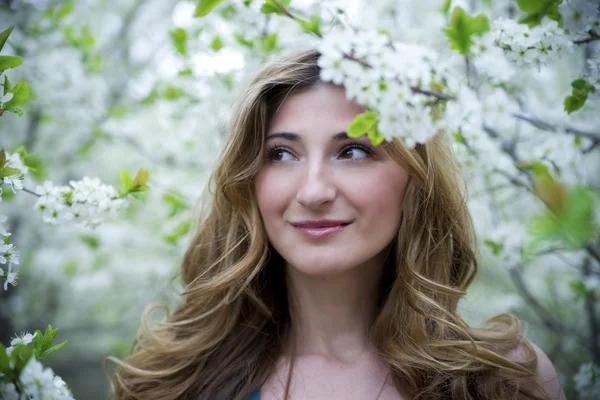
{"points": [[543, 314], [595, 137], [593, 36], [590, 308], [593, 251], [31, 192], [287, 12]]}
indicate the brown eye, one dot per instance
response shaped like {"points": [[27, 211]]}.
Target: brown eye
{"points": [[355, 152], [278, 154]]}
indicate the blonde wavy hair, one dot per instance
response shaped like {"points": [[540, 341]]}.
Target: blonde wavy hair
{"points": [[223, 338]]}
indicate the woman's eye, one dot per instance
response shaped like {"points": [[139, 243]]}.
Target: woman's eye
{"points": [[280, 155], [355, 152]]}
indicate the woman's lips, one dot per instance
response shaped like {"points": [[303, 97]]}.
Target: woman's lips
{"points": [[322, 231]]}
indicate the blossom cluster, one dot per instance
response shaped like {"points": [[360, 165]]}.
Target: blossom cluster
{"points": [[386, 76], [15, 182], [520, 44], [8, 255], [37, 382], [89, 202]]}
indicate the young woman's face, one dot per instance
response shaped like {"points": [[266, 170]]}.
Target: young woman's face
{"points": [[329, 203]]}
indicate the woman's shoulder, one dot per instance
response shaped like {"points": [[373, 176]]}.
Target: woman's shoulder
{"points": [[546, 376]]}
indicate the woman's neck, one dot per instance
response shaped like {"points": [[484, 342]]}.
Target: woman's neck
{"points": [[333, 315]]}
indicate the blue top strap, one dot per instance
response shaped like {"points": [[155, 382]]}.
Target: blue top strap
{"points": [[254, 395]]}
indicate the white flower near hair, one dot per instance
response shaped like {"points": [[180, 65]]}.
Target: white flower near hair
{"points": [[383, 76], [37, 382], [89, 202]]}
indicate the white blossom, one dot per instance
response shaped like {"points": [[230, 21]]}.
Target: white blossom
{"points": [[522, 45], [8, 253], [15, 182], [41, 383], [3, 227], [88, 202], [16, 162], [24, 338], [383, 76], [10, 276]]}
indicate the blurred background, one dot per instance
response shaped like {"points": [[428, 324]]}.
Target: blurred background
{"points": [[143, 84]]}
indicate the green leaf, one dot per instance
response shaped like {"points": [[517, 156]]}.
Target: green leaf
{"points": [[70, 268], [118, 111], [20, 95], [205, 6], [4, 36], [312, 26], [92, 241], [536, 10], [243, 41], [180, 231], [64, 10], [539, 169], [375, 136], [177, 203], [579, 289], [534, 6], [52, 349], [494, 246], [7, 171], [574, 103], [20, 356], [7, 62], [216, 44], [446, 7], [463, 27], [179, 38], [7, 86], [579, 95], [49, 336], [362, 123], [126, 180], [140, 181], [37, 342], [269, 7], [4, 360], [35, 163], [572, 224], [269, 42]]}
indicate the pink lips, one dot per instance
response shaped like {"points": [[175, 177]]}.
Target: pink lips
{"points": [[320, 228]]}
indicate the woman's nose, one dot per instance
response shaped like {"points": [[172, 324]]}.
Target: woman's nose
{"points": [[316, 187]]}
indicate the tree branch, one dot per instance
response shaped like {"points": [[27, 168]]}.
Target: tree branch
{"points": [[590, 308], [543, 314], [593, 251], [593, 36], [594, 137]]}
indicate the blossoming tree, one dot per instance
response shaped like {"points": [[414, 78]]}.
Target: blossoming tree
{"points": [[514, 82]]}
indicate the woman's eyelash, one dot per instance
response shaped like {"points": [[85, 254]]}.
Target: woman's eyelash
{"points": [[270, 151]]}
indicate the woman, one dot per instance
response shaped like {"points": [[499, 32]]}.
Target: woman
{"points": [[329, 268]]}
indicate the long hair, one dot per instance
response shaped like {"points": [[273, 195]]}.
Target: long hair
{"points": [[223, 338]]}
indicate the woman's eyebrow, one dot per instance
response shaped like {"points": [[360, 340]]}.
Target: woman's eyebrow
{"points": [[294, 137]]}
